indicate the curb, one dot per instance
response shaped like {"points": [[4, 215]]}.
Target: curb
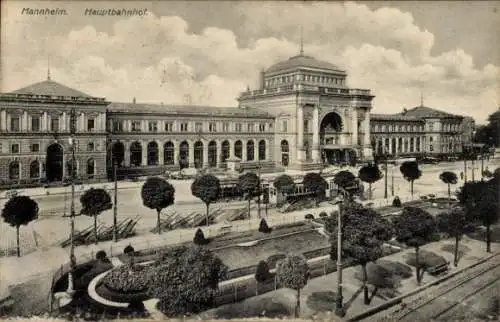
{"points": [[398, 300]]}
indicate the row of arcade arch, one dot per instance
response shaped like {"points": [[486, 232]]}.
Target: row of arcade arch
{"points": [[53, 170], [182, 151]]}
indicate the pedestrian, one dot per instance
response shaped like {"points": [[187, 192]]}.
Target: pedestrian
{"points": [[461, 175]]}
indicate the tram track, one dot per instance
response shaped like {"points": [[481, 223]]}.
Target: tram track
{"points": [[439, 304]]}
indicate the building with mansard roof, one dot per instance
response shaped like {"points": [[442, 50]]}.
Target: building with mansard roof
{"points": [[301, 116]]}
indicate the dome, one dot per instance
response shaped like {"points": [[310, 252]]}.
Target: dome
{"points": [[302, 61]]}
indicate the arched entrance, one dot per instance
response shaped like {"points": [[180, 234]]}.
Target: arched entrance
{"points": [[152, 153], [198, 154], [238, 149], [54, 162], [212, 154], [225, 152], [168, 153], [135, 154], [262, 150], [183, 155], [250, 150], [118, 153], [330, 133]]}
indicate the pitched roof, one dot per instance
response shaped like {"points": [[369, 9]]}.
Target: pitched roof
{"points": [[302, 61], [186, 109], [50, 88], [393, 117], [426, 112]]}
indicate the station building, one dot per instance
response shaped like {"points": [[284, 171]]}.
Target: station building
{"points": [[301, 116]]}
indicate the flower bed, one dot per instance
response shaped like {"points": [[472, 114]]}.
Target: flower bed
{"points": [[122, 297], [127, 280]]}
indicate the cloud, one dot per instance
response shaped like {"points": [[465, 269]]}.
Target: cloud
{"points": [[158, 59]]}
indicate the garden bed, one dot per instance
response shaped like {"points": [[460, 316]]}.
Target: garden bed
{"points": [[119, 296]]}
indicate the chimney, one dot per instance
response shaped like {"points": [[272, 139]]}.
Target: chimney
{"points": [[133, 100], [261, 79], [405, 110]]}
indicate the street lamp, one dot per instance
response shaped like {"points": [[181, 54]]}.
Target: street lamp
{"points": [[339, 309], [72, 143]]}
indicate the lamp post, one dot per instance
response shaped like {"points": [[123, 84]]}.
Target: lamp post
{"points": [[339, 309], [72, 143], [115, 206], [260, 185], [385, 177], [392, 181], [464, 154]]}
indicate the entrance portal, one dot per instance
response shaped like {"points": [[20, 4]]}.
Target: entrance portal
{"points": [[54, 162]]}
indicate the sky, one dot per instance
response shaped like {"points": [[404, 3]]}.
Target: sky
{"points": [[210, 51]]}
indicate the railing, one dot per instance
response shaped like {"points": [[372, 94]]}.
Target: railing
{"points": [[307, 87], [53, 97]]}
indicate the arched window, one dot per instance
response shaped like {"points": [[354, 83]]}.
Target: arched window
{"points": [[90, 168], [184, 154], [284, 146], [262, 150], [412, 145], [226, 151], [14, 170], [135, 154], [152, 153], [250, 150], [198, 155], [212, 154], [168, 153], [34, 169], [238, 149]]}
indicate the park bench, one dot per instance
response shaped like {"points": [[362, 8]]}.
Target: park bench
{"points": [[225, 229], [438, 269]]}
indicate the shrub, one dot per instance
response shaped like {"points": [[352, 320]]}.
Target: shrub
{"points": [[396, 202], [323, 214], [199, 238], [426, 259], [309, 217], [396, 268], [263, 227], [273, 259], [127, 280], [128, 250], [262, 272], [101, 255], [322, 301]]}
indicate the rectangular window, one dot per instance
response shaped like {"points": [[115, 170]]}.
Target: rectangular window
{"points": [[169, 127], [15, 124], [284, 126], [212, 127], [54, 124], [117, 126], [35, 147], [250, 127], [136, 126], [14, 148], [306, 126], [225, 127], [35, 123], [262, 127], [238, 127], [153, 126], [90, 147], [90, 125], [184, 127], [198, 127]]}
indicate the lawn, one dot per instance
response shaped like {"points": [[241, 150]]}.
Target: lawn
{"points": [[241, 256]]}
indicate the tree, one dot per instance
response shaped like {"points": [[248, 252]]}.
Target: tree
{"points": [[263, 227], [316, 184], [415, 228], [448, 178], [370, 174], [95, 202], [489, 134], [364, 232], [130, 252], [284, 184], [293, 272], [453, 223], [480, 200], [157, 194], [261, 274], [207, 188], [185, 280], [19, 211], [410, 172], [265, 198], [249, 184]]}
